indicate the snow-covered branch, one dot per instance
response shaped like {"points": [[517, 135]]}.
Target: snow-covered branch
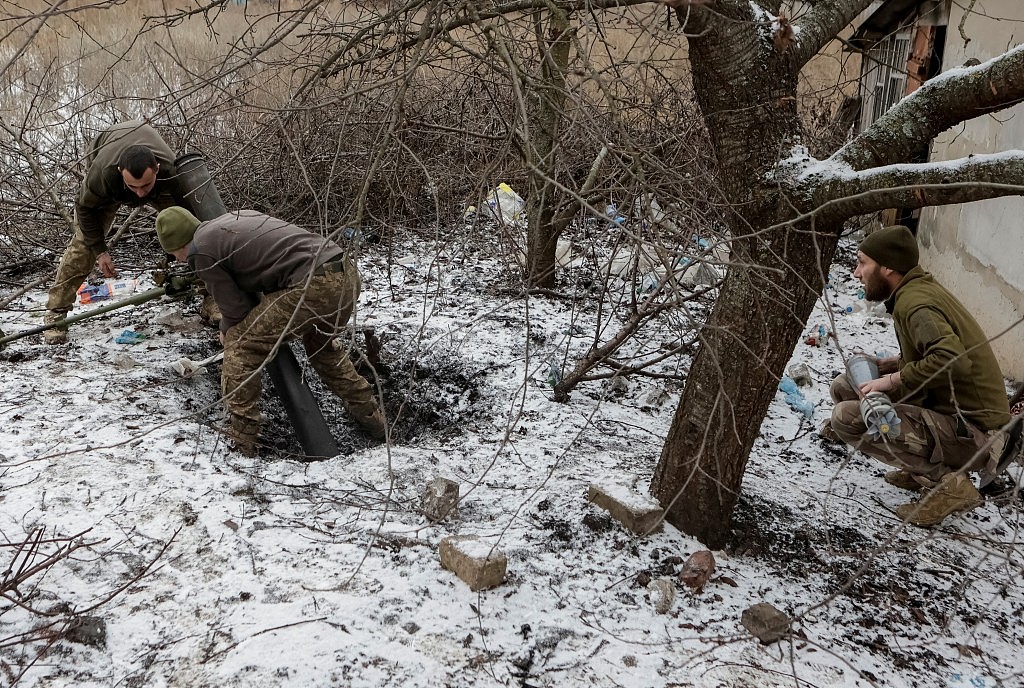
{"points": [[948, 99], [837, 191], [824, 21]]}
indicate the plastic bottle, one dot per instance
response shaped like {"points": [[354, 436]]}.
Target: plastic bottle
{"points": [[554, 373]]}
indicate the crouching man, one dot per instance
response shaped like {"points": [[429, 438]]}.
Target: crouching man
{"points": [[946, 385], [272, 281]]}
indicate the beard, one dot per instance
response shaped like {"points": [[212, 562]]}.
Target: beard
{"points": [[875, 288]]}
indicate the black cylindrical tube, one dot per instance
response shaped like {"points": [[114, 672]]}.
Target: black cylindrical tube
{"points": [[200, 192]]}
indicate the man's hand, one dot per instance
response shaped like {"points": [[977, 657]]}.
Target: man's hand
{"points": [[106, 265], [884, 384]]}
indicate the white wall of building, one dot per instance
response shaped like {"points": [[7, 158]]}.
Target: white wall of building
{"points": [[977, 249]]}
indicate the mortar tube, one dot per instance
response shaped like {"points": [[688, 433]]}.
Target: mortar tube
{"points": [[285, 373], [200, 192]]}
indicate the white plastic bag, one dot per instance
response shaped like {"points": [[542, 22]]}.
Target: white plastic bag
{"points": [[506, 205]]}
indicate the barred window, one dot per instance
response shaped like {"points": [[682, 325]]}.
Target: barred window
{"points": [[885, 76]]}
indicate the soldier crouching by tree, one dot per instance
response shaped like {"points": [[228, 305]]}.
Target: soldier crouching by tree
{"points": [[272, 280], [946, 384]]}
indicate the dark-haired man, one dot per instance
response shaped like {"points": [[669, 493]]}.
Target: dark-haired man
{"points": [[946, 384], [272, 281], [128, 164]]}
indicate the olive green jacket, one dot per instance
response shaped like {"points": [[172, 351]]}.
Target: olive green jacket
{"points": [[946, 363], [103, 190]]}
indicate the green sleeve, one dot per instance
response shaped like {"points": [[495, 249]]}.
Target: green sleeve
{"points": [[940, 353]]}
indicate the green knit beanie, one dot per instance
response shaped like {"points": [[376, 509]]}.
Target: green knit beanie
{"points": [[891, 247], [175, 227]]}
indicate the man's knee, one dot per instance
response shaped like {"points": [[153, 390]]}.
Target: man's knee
{"points": [[842, 389], [847, 421]]}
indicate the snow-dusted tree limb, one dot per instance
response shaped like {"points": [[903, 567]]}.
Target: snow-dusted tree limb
{"points": [[821, 25], [942, 102], [839, 192]]}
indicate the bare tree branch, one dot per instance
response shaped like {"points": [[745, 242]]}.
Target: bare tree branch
{"points": [[821, 24], [976, 178]]}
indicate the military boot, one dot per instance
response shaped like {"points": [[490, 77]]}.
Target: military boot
{"points": [[903, 480], [244, 434], [954, 493], [57, 335], [372, 424], [826, 432]]}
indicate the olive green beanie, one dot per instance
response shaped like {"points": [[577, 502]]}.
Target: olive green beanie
{"points": [[175, 227], [891, 247]]}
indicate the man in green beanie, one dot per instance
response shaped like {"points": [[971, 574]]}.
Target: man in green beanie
{"points": [[128, 164], [946, 386], [272, 281]]}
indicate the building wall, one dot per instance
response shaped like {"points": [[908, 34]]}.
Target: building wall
{"points": [[977, 249]]}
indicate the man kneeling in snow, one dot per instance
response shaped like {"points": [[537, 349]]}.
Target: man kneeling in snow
{"points": [[946, 386], [272, 281]]}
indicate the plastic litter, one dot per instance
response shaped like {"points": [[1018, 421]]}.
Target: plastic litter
{"points": [[554, 373], [106, 290], [795, 398], [505, 204], [611, 211], [131, 337]]}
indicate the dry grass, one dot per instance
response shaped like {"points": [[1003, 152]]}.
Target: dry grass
{"points": [[436, 124]]}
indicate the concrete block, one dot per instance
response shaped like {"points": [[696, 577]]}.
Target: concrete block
{"points": [[475, 561], [440, 499], [638, 513]]}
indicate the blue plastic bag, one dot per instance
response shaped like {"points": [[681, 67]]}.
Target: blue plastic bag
{"points": [[130, 337], [795, 398]]}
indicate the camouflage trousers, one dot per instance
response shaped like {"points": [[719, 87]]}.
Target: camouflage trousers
{"points": [[75, 266], [316, 313], [929, 445]]}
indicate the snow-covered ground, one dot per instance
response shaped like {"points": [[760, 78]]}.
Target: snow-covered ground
{"points": [[204, 568]]}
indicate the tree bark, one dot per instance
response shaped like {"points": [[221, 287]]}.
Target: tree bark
{"points": [[541, 151], [746, 90]]}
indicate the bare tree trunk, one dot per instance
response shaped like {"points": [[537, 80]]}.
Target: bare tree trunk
{"points": [[747, 93], [541, 151], [745, 345]]}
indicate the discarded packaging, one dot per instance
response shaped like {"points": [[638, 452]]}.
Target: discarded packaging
{"points": [[795, 398], [505, 204], [106, 290], [801, 374], [186, 367], [130, 337]]}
